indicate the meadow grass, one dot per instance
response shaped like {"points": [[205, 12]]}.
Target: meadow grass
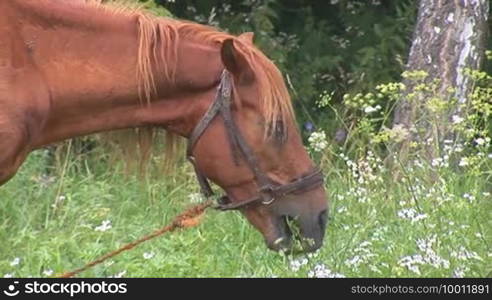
{"points": [[52, 221], [420, 218]]}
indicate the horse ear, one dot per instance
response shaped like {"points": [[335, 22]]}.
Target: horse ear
{"points": [[247, 37], [235, 61]]}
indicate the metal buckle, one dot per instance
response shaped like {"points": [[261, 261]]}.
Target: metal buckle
{"points": [[267, 190], [268, 202]]}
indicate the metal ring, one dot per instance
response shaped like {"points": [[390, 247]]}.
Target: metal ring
{"points": [[268, 202]]}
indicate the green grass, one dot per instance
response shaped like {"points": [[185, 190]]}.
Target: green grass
{"points": [[366, 237]]}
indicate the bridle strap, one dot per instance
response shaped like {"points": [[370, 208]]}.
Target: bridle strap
{"points": [[195, 135], [268, 190], [303, 184], [235, 137]]}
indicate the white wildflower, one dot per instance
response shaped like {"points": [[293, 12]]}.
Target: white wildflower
{"points": [[480, 141], [426, 244], [412, 262], [398, 133], [458, 149], [411, 214], [8, 275], [15, 262], [354, 261], [369, 109], [342, 209], [464, 162], [48, 272], [317, 141], [296, 264], [464, 254], [148, 255], [375, 269], [459, 272], [119, 275], [429, 256], [362, 255], [58, 201], [437, 162], [457, 119], [105, 226], [435, 260], [321, 271]]}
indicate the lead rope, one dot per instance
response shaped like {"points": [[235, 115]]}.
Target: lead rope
{"points": [[187, 219]]}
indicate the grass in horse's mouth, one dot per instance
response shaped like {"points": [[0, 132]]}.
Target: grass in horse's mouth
{"points": [[293, 229]]}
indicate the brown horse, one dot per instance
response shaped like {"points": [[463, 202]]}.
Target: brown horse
{"points": [[71, 68]]}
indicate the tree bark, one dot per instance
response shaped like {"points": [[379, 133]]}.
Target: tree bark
{"points": [[450, 37]]}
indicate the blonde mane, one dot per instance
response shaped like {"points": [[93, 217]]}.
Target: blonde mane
{"points": [[274, 97], [159, 38]]}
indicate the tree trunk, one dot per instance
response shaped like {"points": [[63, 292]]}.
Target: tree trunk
{"points": [[450, 37]]}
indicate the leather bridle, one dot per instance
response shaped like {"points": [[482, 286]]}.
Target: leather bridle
{"points": [[268, 190]]}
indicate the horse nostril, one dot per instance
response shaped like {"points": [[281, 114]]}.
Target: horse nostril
{"points": [[323, 219]]}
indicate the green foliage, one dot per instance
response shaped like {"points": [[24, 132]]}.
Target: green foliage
{"points": [[157, 9], [340, 46], [367, 116]]}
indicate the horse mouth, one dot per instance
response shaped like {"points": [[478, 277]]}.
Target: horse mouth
{"points": [[291, 239]]}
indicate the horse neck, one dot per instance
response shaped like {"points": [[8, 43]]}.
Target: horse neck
{"points": [[89, 62]]}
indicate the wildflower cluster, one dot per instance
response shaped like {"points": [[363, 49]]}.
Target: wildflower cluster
{"points": [[368, 103], [324, 99], [321, 271], [365, 174], [363, 254], [391, 91], [396, 134], [317, 141], [411, 214], [105, 226], [427, 256]]}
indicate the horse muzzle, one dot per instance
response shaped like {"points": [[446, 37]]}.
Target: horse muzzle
{"points": [[298, 234]]}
